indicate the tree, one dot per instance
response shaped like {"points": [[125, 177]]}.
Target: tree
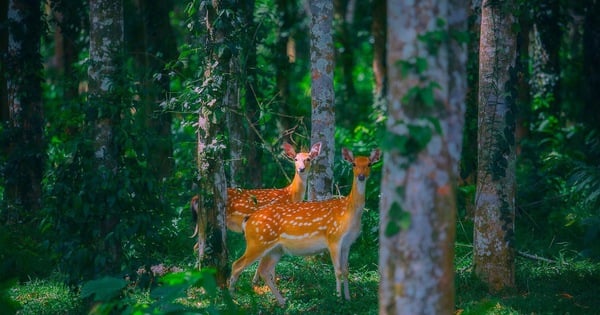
{"points": [[427, 86], [23, 149], [213, 185], [591, 60], [493, 244], [105, 103], [378, 30], [155, 50], [322, 97]]}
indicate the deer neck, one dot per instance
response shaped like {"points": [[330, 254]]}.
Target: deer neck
{"points": [[297, 188], [356, 198]]}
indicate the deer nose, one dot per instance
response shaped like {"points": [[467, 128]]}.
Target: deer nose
{"points": [[361, 177], [301, 170]]}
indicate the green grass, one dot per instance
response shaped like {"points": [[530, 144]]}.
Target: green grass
{"points": [[46, 297], [568, 286]]}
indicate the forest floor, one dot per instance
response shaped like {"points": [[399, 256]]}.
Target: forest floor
{"points": [[570, 285]]}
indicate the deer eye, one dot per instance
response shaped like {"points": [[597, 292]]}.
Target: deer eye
{"points": [[296, 159]]}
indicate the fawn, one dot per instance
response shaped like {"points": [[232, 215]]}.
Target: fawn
{"points": [[242, 202], [307, 228]]}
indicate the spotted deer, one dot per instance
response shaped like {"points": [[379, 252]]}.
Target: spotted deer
{"points": [[242, 202], [307, 228]]}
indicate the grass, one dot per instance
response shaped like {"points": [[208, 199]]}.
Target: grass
{"points": [[46, 297], [569, 285]]}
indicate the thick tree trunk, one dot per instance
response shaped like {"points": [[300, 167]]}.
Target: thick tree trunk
{"points": [[322, 97], [493, 248], [106, 49], [25, 153], [418, 203]]}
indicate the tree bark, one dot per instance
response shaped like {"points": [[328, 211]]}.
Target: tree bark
{"points": [[25, 152], [423, 141], [322, 97], [378, 30], [213, 183], [106, 49], [493, 244]]}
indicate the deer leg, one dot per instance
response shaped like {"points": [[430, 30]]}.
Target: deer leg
{"points": [[264, 261], [266, 269], [345, 252], [337, 267], [251, 254]]}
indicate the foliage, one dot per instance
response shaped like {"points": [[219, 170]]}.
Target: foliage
{"points": [[111, 295], [565, 285], [46, 297]]}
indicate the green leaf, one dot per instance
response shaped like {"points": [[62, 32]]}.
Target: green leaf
{"points": [[427, 96], [396, 211], [421, 65], [104, 289], [391, 229], [394, 141], [420, 134]]}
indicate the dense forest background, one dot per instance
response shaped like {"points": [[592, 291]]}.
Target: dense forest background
{"points": [[97, 175]]}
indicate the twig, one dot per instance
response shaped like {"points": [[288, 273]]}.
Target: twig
{"points": [[536, 257]]}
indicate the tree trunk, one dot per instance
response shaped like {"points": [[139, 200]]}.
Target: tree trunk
{"points": [[493, 244], [106, 49], [284, 58], [424, 134], [468, 163], [322, 97], [3, 65], [213, 184], [252, 154], [378, 30], [344, 14], [153, 46], [25, 152], [547, 38], [591, 60]]}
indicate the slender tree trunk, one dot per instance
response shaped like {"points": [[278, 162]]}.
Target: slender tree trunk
{"points": [[252, 154], [25, 153], [493, 244], [423, 141], [344, 14], [3, 65], [69, 21], [322, 96], [468, 163], [547, 35], [378, 29], [106, 51], [213, 183], [591, 60], [152, 44], [285, 50]]}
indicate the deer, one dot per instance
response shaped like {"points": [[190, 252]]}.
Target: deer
{"points": [[307, 228], [242, 202]]}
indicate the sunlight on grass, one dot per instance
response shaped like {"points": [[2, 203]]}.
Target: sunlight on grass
{"points": [[45, 297]]}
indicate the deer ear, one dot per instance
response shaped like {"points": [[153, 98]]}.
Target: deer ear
{"points": [[289, 150], [375, 155], [347, 155], [315, 150]]}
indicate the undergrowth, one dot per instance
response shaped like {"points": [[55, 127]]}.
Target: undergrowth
{"points": [[564, 283]]}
